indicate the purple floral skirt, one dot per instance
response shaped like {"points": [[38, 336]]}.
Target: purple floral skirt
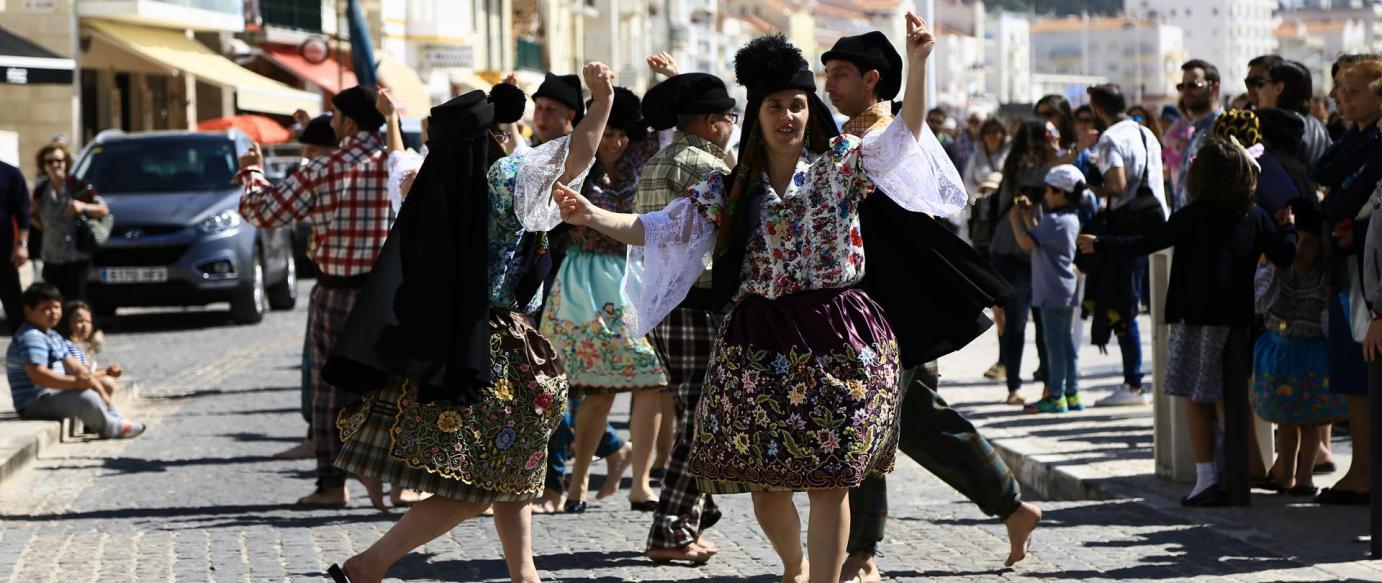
{"points": [[494, 450], [801, 394]]}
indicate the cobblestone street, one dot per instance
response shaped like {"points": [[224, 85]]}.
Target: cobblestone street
{"points": [[198, 498]]}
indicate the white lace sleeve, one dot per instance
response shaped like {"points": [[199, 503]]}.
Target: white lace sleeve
{"points": [[401, 166], [538, 170], [917, 174], [677, 242]]}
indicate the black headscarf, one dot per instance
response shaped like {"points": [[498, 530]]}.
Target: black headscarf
{"points": [[424, 313]]}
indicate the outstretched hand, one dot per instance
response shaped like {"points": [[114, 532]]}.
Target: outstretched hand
{"points": [[600, 79], [383, 101], [920, 40], [663, 63], [575, 209]]}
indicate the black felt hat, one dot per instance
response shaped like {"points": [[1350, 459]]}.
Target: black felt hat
{"points": [[626, 113], [318, 132], [871, 51], [769, 64], [685, 94], [462, 115], [357, 103], [564, 89]]}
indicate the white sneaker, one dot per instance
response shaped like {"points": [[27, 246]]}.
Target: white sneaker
{"points": [[1124, 396]]}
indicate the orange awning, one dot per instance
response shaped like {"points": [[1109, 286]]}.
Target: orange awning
{"points": [[259, 128], [327, 74]]}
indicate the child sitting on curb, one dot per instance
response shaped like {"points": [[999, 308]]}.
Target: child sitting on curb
{"points": [[38, 364], [84, 341], [1052, 243]]}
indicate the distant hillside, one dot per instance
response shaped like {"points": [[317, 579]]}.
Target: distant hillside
{"points": [[1057, 7]]}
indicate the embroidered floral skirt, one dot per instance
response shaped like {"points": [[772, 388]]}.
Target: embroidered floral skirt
{"points": [[1291, 381], [801, 394], [585, 321], [492, 451]]}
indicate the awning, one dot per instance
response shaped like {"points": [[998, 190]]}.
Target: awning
{"points": [[408, 90], [25, 63], [181, 55], [328, 74]]}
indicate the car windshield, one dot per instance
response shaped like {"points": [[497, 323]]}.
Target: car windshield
{"points": [[159, 166]]}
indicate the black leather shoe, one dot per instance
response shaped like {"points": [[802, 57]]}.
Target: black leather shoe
{"points": [[575, 506], [643, 506], [1335, 497], [1211, 497], [337, 574]]}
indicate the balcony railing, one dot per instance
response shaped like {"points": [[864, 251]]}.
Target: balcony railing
{"points": [[529, 55], [295, 14]]}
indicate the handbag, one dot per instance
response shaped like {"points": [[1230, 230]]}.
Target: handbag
{"points": [[91, 233]]}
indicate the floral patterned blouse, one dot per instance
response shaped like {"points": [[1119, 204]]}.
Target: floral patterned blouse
{"points": [[806, 238], [614, 191]]}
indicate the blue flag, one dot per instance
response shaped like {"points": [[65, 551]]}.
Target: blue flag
{"points": [[361, 51]]}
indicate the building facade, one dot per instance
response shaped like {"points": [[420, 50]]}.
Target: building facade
{"points": [[1226, 33], [1141, 56]]}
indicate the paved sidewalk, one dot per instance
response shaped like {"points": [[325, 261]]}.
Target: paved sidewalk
{"points": [[1107, 454]]}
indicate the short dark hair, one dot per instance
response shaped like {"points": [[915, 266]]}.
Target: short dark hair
{"points": [[1264, 61], [1222, 177], [41, 292], [937, 110], [1296, 88], [1348, 59], [1211, 73], [1108, 98]]}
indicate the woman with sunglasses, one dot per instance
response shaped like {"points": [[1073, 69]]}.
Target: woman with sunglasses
{"points": [[57, 205]]}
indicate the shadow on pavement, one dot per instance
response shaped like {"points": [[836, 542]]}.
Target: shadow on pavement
{"points": [[177, 320]]}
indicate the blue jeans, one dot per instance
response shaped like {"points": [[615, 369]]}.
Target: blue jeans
{"points": [[1014, 334], [1130, 342], [559, 448], [1063, 359]]}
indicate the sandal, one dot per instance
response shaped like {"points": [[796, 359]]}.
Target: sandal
{"points": [[337, 574], [575, 507], [1302, 491], [1014, 398]]}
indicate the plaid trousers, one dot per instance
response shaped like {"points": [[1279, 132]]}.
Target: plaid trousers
{"points": [[947, 445], [325, 317], [684, 342]]}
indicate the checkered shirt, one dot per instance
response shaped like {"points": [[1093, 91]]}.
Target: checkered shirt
{"points": [[876, 117], [681, 165], [344, 194]]}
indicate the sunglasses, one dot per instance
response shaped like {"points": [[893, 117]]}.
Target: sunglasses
{"points": [[732, 117], [1047, 113], [1255, 81], [1192, 85], [54, 161], [1084, 119]]}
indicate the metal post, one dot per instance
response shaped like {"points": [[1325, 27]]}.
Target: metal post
{"points": [[1237, 424], [1375, 473]]}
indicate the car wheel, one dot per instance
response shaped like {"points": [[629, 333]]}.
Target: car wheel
{"points": [[284, 296], [251, 302]]}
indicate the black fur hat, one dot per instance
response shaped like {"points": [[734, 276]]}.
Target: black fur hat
{"points": [[770, 63], [508, 101]]}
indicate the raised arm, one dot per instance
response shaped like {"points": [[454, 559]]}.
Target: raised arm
{"points": [[586, 137], [383, 101], [920, 43]]}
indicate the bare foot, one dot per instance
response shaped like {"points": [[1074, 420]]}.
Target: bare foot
{"points": [[549, 503], [860, 566], [375, 490], [707, 545], [615, 465], [1020, 526], [326, 498], [800, 575], [693, 553], [305, 450], [405, 497]]}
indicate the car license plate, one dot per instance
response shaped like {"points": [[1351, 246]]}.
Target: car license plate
{"points": [[134, 275]]}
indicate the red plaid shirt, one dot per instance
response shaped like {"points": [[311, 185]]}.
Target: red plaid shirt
{"points": [[345, 196]]}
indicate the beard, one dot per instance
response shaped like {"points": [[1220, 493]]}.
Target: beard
{"points": [[1201, 104]]}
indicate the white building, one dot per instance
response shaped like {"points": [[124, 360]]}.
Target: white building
{"points": [[1008, 58], [619, 33], [1226, 33], [1369, 14], [1143, 57]]}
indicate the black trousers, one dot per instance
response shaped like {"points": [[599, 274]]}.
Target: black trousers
{"points": [[70, 278], [10, 291]]}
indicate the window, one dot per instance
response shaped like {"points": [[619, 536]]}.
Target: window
{"points": [[159, 166]]}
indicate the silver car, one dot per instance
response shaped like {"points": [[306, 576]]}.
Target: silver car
{"points": [[179, 239]]}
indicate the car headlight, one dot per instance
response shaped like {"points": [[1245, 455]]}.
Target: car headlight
{"points": [[220, 222]]}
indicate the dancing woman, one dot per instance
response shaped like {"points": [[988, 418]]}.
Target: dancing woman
{"points": [[802, 390], [461, 392], [584, 317]]}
